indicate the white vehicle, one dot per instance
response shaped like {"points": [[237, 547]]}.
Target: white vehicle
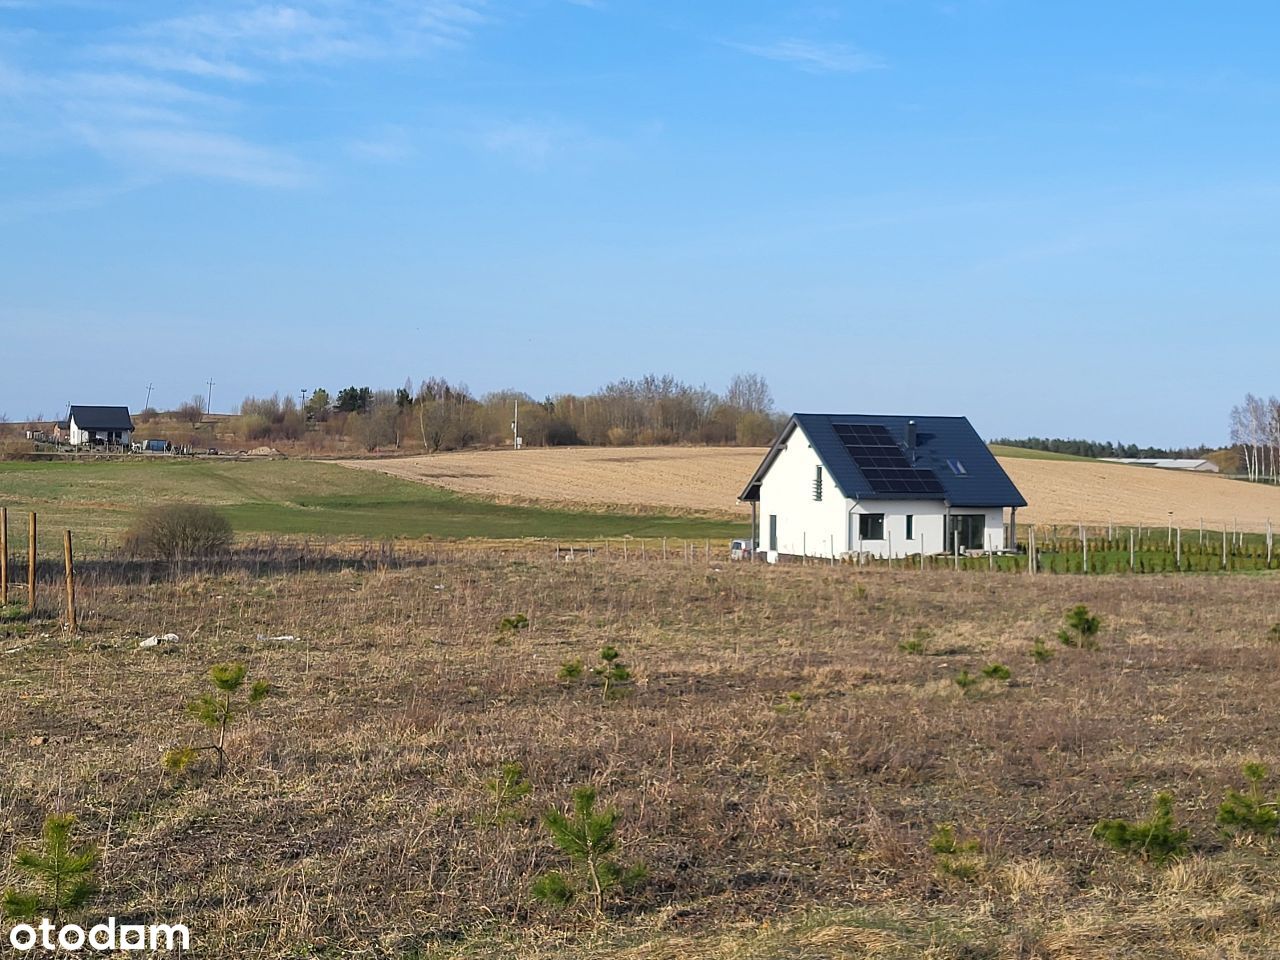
{"points": [[741, 549]]}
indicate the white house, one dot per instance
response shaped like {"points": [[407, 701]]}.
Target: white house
{"points": [[1168, 463], [88, 426], [836, 485]]}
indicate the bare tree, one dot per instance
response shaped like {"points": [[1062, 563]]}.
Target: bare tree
{"points": [[750, 393]]}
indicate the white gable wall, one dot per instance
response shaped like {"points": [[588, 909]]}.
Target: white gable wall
{"points": [[830, 527], [806, 527]]}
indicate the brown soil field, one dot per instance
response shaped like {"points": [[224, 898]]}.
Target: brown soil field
{"points": [[781, 760], [687, 479], [708, 480]]}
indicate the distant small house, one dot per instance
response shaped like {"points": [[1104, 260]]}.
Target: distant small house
{"points": [[891, 486], [1168, 463], [91, 426]]}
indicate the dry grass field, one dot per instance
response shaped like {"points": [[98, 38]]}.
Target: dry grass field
{"points": [[792, 740], [708, 480]]}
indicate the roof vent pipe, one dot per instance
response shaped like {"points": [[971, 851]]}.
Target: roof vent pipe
{"points": [[911, 439]]}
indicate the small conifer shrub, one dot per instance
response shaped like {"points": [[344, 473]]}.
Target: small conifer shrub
{"points": [[1156, 840], [996, 671], [612, 674], [588, 838], [61, 877], [957, 858], [216, 711], [571, 669], [1081, 628], [1249, 812], [508, 789], [513, 624], [1040, 651], [966, 681]]}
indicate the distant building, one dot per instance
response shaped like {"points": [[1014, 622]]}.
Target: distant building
{"points": [[835, 485], [93, 426], [1168, 463]]}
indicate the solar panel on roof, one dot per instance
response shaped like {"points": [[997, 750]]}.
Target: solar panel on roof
{"points": [[883, 463]]}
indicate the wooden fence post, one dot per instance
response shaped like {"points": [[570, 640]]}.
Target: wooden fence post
{"points": [[1085, 544], [71, 582], [1132, 555], [1031, 551], [4, 556], [31, 564], [1179, 554], [1224, 546]]}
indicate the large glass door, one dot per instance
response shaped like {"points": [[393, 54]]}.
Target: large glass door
{"points": [[972, 528]]}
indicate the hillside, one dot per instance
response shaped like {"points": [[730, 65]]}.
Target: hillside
{"points": [[1059, 490]]}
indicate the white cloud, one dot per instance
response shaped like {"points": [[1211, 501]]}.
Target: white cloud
{"points": [[198, 153], [390, 145], [171, 92], [814, 57]]}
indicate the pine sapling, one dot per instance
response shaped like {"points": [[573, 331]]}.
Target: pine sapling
{"points": [[996, 671], [62, 878], [1156, 840], [611, 672], [588, 837], [508, 788], [1040, 651], [216, 711], [1249, 811], [1082, 628], [957, 858]]}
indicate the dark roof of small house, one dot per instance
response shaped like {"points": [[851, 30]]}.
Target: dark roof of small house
{"points": [[101, 418], [948, 454]]}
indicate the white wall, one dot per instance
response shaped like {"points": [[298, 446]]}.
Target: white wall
{"points": [[805, 526], [76, 437], [822, 528]]}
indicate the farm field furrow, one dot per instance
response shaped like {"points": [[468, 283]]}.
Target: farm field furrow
{"points": [[702, 479]]}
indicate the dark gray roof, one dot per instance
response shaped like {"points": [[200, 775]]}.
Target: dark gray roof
{"points": [[101, 418], [940, 441]]}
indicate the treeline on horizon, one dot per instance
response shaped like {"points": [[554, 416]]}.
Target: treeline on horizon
{"points": [[440, 415], [1098, 449]]}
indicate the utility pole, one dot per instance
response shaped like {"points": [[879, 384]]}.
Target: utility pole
{"points": [[147, 405], [208, 405], [515, 428]]}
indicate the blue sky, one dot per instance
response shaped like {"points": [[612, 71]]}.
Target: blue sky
{"points": [[1056, 218]]}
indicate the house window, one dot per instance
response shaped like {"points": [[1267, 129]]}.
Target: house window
{"points": [[911, 527], [967, 531], [773, 532], [957, 467], [871, 526], [817, 483]]}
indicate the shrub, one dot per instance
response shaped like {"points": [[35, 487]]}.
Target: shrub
{"points": [[1081, 630], [508, 788], [1274, 634], [513, 624], [996, 671], [966, 681], [180, 531], [957, 858], [1249, 812], [216, 711], [612, 673], [588, 838], [1040, 652], [571, 669], [62, 878], [1156, 839]]}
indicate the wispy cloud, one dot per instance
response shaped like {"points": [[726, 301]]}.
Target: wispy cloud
{"points": [[175, 95], [814, 57], [389, 145]]}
